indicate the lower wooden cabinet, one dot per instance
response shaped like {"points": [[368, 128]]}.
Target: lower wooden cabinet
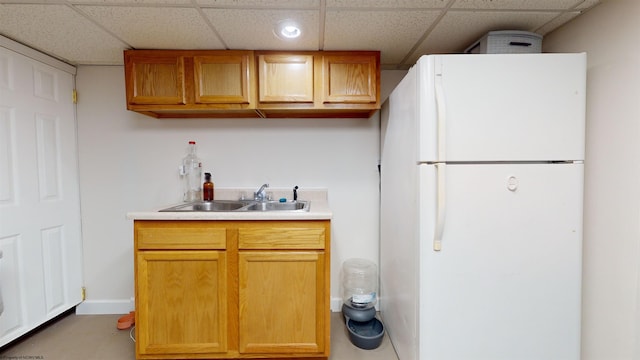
{"points": [[281, 307], [182, 302], [232, 289]]}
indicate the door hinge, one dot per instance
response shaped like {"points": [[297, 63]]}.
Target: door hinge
{"points": [[74, 96], [83, 291]]}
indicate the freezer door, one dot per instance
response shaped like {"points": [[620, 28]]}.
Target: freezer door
{"points": [[504, 107], [506, 282]]}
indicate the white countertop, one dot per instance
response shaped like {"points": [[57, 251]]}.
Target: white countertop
{"points": [[318, 210]]}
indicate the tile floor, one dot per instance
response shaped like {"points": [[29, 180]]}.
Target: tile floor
{"points": [[95, 337]]}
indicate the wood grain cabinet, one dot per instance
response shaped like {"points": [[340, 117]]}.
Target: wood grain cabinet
{"points": [[283, 265], [350, 79], [155, 79], [318, 84], [222, 79], [232, 289], [180, 83], [231, 83], [285, 78], [182, 292]]}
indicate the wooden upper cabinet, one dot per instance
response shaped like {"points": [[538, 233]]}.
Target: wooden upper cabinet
{"points": [[244, 83], [285, 78], [318, 83], [222, 79], [190, 83], [350, 79], [155, 79]]}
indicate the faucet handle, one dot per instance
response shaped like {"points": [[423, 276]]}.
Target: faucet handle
{"points": [[260, 194]]}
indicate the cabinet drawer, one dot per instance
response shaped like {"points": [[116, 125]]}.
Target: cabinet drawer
{"points": [[281, 238], [179, 235]]}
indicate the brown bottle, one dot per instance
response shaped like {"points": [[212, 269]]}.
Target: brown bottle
{"points": [[207, 188]]}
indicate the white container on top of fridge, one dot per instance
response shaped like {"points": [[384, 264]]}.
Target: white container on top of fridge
{"points": [[481, 207], [506, 42]]}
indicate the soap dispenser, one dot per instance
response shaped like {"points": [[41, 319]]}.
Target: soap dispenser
{"points": [[207, 188]]}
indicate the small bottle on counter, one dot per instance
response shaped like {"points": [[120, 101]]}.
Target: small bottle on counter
{"points": [[207, 188]]}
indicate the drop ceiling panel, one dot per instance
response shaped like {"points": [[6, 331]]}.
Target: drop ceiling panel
{"points": [[587, 4], [396, 32], [60, 31], [232, 25], [97, 31], [130, 2], [160, 28], [270, 4], [556, 22], [459, 29], [516, 4], [388, 4]]}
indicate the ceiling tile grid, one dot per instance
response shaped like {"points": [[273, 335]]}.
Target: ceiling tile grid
{"points": [[262, 4], [156, 27], [388, 4], [253, 29], [60, 31], [464, 28], [97, 31], [394, 33], [516, 4]]}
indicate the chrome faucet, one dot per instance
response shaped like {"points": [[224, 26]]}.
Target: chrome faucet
{"points": [[260, 194]]}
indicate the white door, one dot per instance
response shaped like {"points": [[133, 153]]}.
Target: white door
{"points": [[515, 107], [41, 269], [506, 283]]}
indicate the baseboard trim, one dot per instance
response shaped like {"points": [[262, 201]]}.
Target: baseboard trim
{"points": [[105, 307], [336, 304]]}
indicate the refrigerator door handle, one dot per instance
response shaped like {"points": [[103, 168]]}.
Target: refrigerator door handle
{"points": [[441, 206], [442, 117], [439, 165]]}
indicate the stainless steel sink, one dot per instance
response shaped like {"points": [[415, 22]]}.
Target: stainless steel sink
{"points": [[278, 206], [238, 206], [217, 205]]}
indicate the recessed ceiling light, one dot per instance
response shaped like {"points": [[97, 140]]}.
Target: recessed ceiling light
{"points": [[287, 29], [290, 31]]}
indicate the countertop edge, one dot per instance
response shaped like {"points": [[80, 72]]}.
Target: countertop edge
{"points": [[319, 209]]}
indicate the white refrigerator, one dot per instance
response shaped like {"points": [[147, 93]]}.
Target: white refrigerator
{"points": [[481, 207]]}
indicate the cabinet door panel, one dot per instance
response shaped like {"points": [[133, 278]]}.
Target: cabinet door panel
{"points": [[282, 302], [181, 302], [286, 78], [221, 79], [155, 79], [350, 79]]}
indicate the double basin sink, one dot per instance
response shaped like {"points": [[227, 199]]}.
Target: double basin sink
{"points": [[240, 206]]}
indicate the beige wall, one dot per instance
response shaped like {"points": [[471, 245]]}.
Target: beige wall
{"points": [[129, 162], [610, 34]]}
